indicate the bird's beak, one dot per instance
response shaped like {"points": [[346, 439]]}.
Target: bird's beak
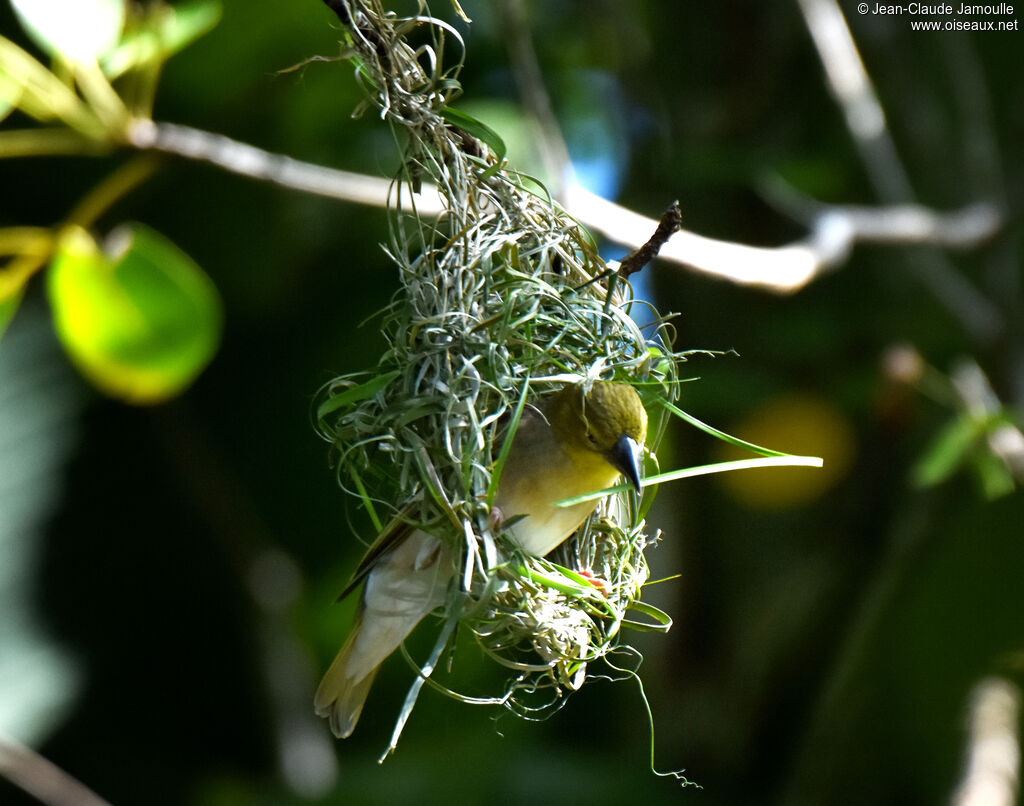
{"points": [[625, 457]]}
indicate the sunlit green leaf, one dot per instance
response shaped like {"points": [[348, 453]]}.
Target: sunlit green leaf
{"points": [[77, 30], [651, 467], [161, 34], [354, 394], [459, 11], [947, 452], [518, 135], [993, 475], [660, 621], [786, 460], [8, 307], [10, 93], [23, 250], [141, 322], [708, 429], [506, 447], [38, 92], [559, 578], [477, 129]]}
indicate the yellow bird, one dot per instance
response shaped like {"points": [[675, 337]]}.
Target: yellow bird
{"points": [[579, 441]]}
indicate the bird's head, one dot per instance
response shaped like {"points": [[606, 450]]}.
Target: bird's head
{"points": [[608, 421]]}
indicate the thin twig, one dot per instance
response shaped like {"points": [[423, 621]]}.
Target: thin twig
{"points": [[42, 779], [113, 188], [529, 79], [855, 94], [890, 225], [851, 86], [667, 227], [835, 230], [246, 160]]}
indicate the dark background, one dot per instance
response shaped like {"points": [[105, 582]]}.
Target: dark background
{"points": [[828, 629]]}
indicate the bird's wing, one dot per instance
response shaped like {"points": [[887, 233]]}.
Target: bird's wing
{"points": [[395, 532], [403, 584]]}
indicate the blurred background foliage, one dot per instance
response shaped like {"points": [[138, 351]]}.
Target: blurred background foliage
{"points": [[169, 572]]}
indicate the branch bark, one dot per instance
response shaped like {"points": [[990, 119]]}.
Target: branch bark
{"points": [[992, 772], [834, 230], [43, 779]]}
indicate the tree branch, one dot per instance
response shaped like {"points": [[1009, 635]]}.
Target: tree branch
{"points": [[834, 230], [529, 79], [992, 772], [43, 779], [851, 86], [667, 227], [255, 163]]}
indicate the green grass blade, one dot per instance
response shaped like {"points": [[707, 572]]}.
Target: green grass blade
{"points": [[708, 429], [784, 460], [355, 394], [506, 446]]}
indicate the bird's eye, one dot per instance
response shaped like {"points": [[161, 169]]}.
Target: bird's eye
{"points": [[591, 438]]}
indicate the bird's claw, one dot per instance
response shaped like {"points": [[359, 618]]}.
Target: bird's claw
{"points": [[596, 581]]}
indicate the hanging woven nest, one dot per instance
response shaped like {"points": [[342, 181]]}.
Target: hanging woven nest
{"points": [[503, 300]]}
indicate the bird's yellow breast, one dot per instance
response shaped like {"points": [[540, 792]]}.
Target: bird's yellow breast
{"points": [[539, 471]]}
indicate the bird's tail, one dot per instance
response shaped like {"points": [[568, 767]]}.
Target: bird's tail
{"points": [[339, 696], [403, 585]]}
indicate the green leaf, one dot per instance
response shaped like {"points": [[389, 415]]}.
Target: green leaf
{"points": [[561, 579], [140, 322], [708, 429], [364, 496], [40, 94], [993, 475], [10, 94], [162, 33], [947, 451], [650, 467], [459, 11], [660, 620], [480, 131], [354, 394], [23, 250], [8, 307], [785, 460], [76, 30], [506, 446]]}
